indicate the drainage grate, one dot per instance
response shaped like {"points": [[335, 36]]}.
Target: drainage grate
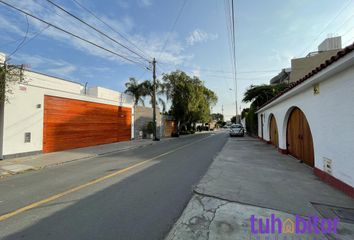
{"points": [[344, 214]]}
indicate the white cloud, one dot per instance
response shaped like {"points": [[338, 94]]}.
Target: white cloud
{"points": [[196, 72], [281, 58], [123, 4], [56, 67], [6, 22], [144, 3], [198, 36], [126, 24], [62, 71]]}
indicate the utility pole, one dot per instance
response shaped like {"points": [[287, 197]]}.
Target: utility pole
{"points": [[237, 120], [154, 99], [234, 55]]}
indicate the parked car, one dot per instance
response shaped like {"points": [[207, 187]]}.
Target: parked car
{"points": [[237, 130]]}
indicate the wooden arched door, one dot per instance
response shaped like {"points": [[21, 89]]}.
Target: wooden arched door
{"points": [[273, 131], [299, 137]]}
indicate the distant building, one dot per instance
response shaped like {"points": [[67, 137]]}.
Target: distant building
{"points": [[283, 76], [142, 117], [332, 43], [301, 66]]}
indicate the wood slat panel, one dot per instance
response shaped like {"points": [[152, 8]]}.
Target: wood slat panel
{"points": [[70, 123], [308, 153], [170, 127], [299, 137], [273, 131]]}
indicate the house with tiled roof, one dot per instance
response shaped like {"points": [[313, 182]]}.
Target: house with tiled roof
{"points": [[313, 119], [301, 66]]}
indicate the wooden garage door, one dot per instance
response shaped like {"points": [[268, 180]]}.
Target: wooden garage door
{"points": [[70, 123], [273, 131], [299, 138]]}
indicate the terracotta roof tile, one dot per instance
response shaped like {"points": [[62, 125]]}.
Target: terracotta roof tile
{"points": [[340, 54]]}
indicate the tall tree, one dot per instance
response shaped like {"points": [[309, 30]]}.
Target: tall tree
{"points": [[217, 117], [190, 99], [244, 112], [136, 89], [258, 95]]}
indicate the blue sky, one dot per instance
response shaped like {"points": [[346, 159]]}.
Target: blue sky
{"points": [[268, 35]]}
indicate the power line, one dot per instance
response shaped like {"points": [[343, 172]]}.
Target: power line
{"points": [[327, 25], [23, 41], [72, 34], [230, 21], [97, 30], [347, 20], [135, 58], [34, 36], [230, 72], [173, 26], [229, 39], [220, 73], [233, 78], [110, 27], [228, 29], [29, 39]]}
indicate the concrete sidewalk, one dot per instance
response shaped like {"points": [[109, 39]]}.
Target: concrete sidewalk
{"points": [[249, 177], [35, 162]]}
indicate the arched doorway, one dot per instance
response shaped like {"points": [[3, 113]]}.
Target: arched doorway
{"points": [[273, 131], [299, 137]]}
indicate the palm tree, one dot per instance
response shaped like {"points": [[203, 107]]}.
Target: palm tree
{"points": [[136, 90], [149, 91]]}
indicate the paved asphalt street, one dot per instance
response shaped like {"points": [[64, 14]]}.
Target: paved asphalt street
{"points": [[136, 194]]}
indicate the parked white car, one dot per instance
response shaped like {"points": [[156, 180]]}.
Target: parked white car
{"points": [[237, 130]]}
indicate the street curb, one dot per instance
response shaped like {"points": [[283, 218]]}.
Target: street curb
{"points": [[4, 173]]}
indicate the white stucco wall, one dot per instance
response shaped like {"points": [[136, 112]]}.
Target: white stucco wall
{"points": [[23, 114], [104, 93], [330, 116]]}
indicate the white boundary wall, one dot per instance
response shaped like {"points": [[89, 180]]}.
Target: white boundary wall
{"points": [[25, 110], [330, 115]]}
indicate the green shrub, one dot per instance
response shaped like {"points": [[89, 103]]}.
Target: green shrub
{"points": [[252, 122], [150, 127]]}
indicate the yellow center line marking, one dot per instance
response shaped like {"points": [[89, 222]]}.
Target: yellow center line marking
{"points": [[90, 183]]}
